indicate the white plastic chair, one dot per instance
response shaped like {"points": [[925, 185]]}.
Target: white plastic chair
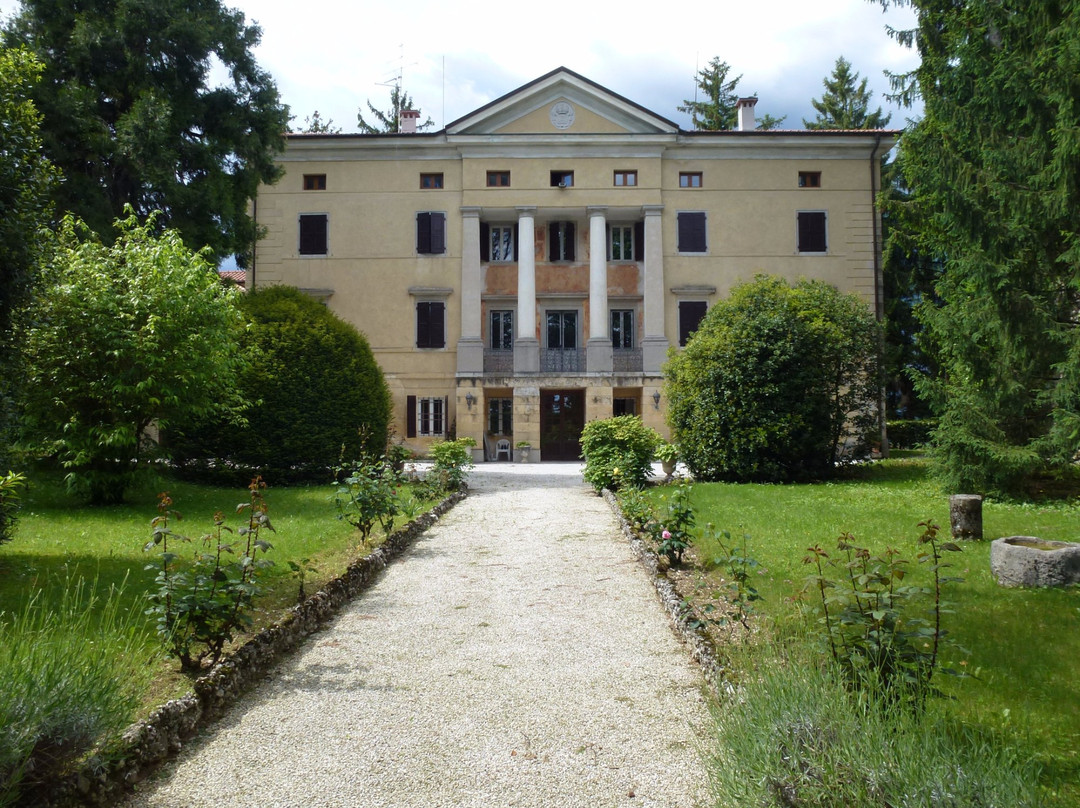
{"points": [[502, 447]]}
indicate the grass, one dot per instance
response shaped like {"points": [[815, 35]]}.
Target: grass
{"points": [[1024, 643], [58, 540]]}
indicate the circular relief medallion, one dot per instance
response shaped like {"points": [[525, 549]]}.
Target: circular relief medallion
{"points": [[562, 115]]}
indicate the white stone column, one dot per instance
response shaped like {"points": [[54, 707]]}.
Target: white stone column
{"points": [[654, 345], [526, 345], [470, 348], [598, 348]]}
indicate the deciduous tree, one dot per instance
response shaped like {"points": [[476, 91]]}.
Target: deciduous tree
{"points": [[119, 338], [157, 104], [994, 172]]}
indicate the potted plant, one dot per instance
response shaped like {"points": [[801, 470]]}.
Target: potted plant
{"points": [[668, 455], [523, 447]]}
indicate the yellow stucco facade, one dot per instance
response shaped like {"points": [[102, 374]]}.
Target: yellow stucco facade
{"points": [[528, 267]]}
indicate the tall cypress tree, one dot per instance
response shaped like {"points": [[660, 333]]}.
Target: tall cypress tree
{"points": [[994, 171]]}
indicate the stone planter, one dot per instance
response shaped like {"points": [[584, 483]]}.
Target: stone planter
{"points": [[523, 453], [1028, 561], [669, 467]]}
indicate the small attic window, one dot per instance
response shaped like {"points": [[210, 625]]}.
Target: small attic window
{"points": [[314, 182], [562, 179], [809, 179]]}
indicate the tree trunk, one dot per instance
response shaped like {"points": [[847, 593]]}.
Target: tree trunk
{"points": [[965, 516]]}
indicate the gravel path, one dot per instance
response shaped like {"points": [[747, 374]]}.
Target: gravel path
{"points": [[516, 656]]}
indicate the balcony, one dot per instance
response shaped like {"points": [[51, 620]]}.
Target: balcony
{"points": [[500, 362], [626, 360], [562, 360]]}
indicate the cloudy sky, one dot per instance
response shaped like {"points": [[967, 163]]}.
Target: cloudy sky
{"points": [[334, 55]]}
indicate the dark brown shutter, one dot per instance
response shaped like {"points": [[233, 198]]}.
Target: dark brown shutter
{"points": [[607, 247], [553, 241], [569, 242], [691, 232], [423, 232], [438, 233], [313, 234], [485, 242], [516, 243], [812, 231], [410, 417], [691, 313], [639, 241], [437, 325]]}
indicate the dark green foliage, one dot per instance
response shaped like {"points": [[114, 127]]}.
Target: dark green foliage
{"points": [[389, 122], [906, 434], [716, 109], [453, 459], [778, 383], [200, 604], [26, 180], [133, 115], [366, 494], [618, 452], [321, 396], [120, 338], [671, 530], [993, 167], [845, 104]]}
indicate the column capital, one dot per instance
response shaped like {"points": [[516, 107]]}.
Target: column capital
{"points": [[596, 210], [470, 211], [652, 210], [525, 210]]}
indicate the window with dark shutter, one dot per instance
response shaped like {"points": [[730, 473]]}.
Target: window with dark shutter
{"points": [[692, 231], [691, 313], [410, 417], [812, 236], [430, 233], [430, 324], [639, 241], [561, 241], [313, 227]]}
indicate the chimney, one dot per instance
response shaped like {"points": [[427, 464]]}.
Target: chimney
{"points": [[745, 111], [407, 122]]}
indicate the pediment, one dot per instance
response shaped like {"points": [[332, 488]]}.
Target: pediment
{"points": [[561, 102]]}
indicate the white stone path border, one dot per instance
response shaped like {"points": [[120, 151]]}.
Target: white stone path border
{"points": [[516, 655]]}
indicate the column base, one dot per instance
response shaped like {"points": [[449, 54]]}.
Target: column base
{"points": [[470, 356], [598, 355], [653, 355], [526, 356]]}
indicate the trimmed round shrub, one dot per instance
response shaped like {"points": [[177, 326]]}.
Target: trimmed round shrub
{"points": [[315, 391], [778, 383], [618, 452]]}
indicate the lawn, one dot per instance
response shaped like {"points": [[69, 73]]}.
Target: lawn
{"points": [[1024, 644]]}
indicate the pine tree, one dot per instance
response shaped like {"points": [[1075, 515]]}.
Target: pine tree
{"points": [[994, 172], [845, 104], [719, 111], [389, 122], [315, 125]]}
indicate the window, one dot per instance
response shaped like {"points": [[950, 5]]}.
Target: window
{"points": [[692, 231], [431, 181], [809, 179], [562, 330], [625, 179], [621, 244], [501, 331], [561, 241], [622, 329], [624, 406], [689, 179], [313, 227], [812, 234], [498, 179], [501, 242], [562, 179], [501, 416], [314, 182], [690, 314], [425, 415], [430, 233], [430, 324]]}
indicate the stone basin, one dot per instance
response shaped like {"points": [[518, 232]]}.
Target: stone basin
{"points": [[1030, 561]]}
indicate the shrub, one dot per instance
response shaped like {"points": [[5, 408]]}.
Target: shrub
{"points": [[68, 677], [452, 462], [12, 486], [321, 396], [367, 494], [910, 434], [202, 604], [671, 531], [777, 384], [618, 452], [795, 735]]}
